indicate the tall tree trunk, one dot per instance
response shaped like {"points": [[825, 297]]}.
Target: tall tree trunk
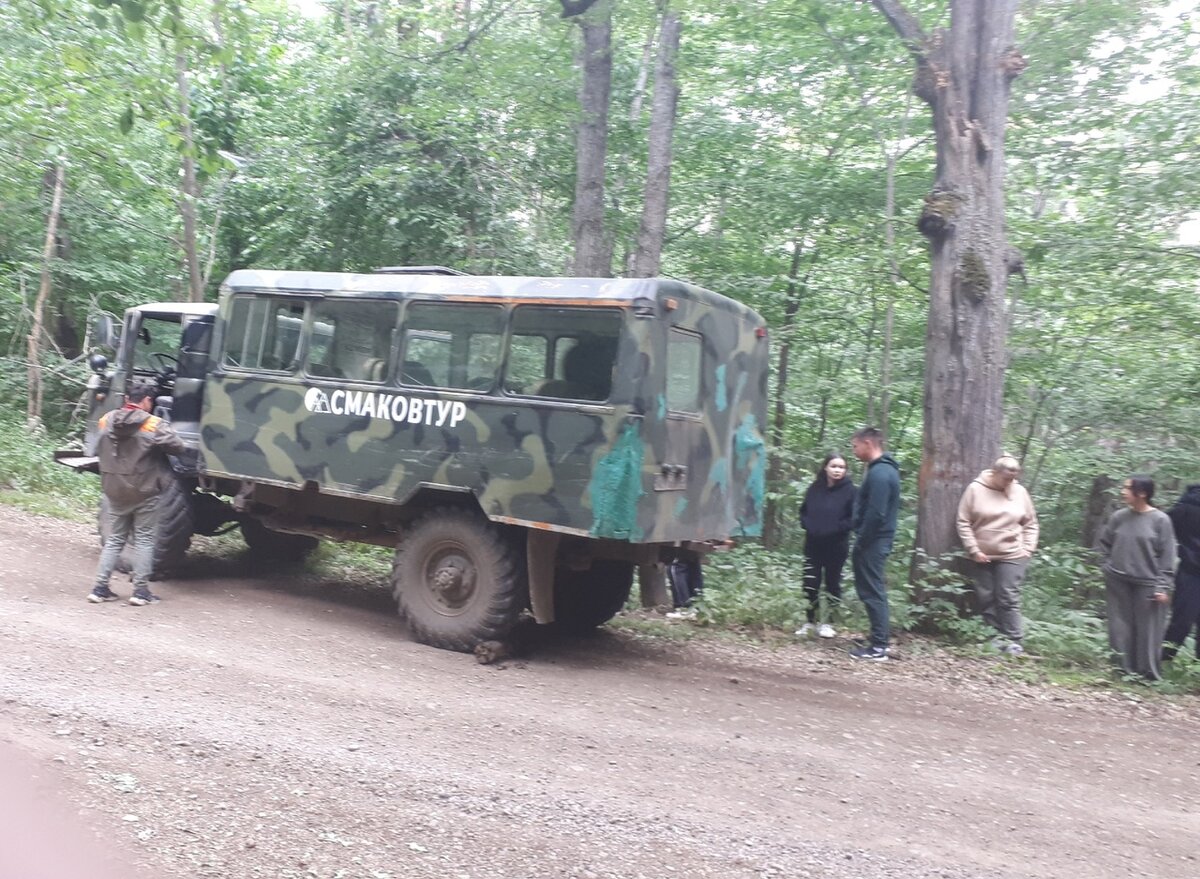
{"points": [[33, 405], [593, 256], [889, 321], [771, 515], [1097, 509], [647, 261], [965, 76], [617, 188], [188, 195]]}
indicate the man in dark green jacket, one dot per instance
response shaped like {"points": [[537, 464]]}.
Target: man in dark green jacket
{"points": [[876, 508]]}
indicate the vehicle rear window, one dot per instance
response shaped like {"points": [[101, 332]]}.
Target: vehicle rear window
{"points": [[684, 365]]}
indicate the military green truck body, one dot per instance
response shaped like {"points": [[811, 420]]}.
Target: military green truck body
{"points": [[577, 427]]}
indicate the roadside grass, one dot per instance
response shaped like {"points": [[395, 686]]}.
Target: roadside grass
{"points": [[750, 593], [32, 481]]}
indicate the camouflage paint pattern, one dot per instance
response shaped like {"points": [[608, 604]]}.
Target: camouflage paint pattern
{"points": [[626, 469]]}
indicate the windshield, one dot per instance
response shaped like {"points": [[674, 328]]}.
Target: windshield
{"points": [[156, 336]]}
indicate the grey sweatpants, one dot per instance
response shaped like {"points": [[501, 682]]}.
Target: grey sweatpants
{"points": [[998, 590], [1136, 625], [142, 522]]}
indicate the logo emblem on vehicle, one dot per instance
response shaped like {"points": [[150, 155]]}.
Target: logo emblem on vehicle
{"points": [[316, 401]]}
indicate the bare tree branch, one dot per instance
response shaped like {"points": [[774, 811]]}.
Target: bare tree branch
{"points": [[905, 24]]}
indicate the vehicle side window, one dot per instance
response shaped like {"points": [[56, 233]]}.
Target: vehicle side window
{"points": [[352, 339], [685, 361], [527, 357], [564, 353], [448, 345], [263, 333]]}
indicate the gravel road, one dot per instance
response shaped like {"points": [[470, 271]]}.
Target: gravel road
{"points": [[277, 726]]}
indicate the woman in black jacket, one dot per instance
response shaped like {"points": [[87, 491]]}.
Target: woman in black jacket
{"points": [[826, 515], [1185, 603]]}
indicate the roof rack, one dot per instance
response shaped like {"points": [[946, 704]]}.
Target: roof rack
{"points": [[417, 270]]}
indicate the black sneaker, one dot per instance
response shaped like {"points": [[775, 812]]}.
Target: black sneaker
{"points": [[874, 654], [143, 597], [99, 595]]}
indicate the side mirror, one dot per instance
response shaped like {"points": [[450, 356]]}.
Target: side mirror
{"points": [[97, 363], [105, 332]]}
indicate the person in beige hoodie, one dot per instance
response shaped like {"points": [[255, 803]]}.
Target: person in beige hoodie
{"points": [[999, 530]]}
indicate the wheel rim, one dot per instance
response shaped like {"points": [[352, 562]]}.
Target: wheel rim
{"points": [[451, 579]]}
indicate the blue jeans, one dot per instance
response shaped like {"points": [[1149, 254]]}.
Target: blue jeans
{"points": [[142, 522], [868, 561]]}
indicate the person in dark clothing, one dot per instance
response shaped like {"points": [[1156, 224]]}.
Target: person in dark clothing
{"points": [[1185, 603], [686, 579], [826, 515], [876, 508], [132, 448], [686, 576]]}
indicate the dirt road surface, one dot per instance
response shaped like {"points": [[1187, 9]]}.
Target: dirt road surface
{"points": [[274, 726]]}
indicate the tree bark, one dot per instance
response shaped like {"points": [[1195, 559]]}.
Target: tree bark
{"points": [[1098, 507], [188, 195], [964, 74], [33, 405], [593, 256], [647, 260], [771, 516], [652, 585]]}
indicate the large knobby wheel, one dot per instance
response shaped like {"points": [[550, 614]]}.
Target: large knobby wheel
{"points": [[457, 580], [175, 528], [277, 546], [584, 600]]}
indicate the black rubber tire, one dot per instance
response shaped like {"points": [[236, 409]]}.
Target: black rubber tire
{"points": [[584, 600], [175, 523], [458, 580], [276, 546]]}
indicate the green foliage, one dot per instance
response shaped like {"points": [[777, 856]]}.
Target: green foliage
{"points": [[752, 588], [30, 478]]}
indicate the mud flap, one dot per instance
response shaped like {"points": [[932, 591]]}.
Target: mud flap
{"points": [[541, 547]]}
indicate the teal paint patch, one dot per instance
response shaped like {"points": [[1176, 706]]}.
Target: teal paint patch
{"points": [[616, 487], [721, 400], [662, 406], [750, 457], [680, 506]]}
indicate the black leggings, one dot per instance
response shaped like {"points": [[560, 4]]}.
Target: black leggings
{"points": [[1185, 612], [824, 561]]}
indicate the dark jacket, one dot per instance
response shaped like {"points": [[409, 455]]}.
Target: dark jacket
{"points": [[827, 513], [133, 448], [877, 504], [1185, 517]]}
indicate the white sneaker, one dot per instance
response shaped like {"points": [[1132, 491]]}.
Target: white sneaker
{"points": [[826, 631], [686, 613], [805, 631]]}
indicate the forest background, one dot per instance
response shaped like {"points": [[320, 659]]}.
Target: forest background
{"points": [[147, 148]]}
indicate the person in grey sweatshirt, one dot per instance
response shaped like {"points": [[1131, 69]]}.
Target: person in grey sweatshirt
{"points": [[1137, 545]]}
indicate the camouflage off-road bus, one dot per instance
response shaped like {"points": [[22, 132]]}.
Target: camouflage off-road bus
{"points": [[520, 442]]}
